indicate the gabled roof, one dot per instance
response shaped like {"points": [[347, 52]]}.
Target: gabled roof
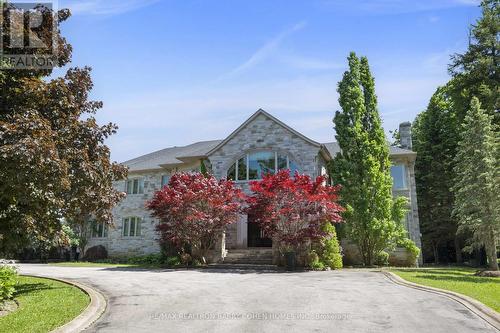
{"points": [[276, 120], [170, 156], [334, 148], [177, 156]]}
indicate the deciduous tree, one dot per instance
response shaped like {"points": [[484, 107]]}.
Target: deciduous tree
{"points": [[54, 163], [194, 210], [293, 210]]}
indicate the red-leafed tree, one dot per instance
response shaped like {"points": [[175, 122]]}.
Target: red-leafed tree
{"points": [[293, 210], [193, 211]]}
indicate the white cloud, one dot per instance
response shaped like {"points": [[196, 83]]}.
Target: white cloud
{"points": [[107, 7], [264, 51]]}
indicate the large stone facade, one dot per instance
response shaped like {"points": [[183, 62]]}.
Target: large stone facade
{"points": [[261, 132]]}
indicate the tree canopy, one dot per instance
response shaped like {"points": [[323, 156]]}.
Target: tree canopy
{"points": [[373, 217], [54, 163]]}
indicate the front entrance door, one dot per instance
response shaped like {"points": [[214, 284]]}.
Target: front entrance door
{"points": [[256, 237]]}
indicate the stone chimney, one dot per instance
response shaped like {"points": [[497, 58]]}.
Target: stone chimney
{"points": [[405, 135]]}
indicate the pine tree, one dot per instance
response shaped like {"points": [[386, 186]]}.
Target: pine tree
{"points": [[434, 140], [476, 72], [373, 217], [477, 182]]}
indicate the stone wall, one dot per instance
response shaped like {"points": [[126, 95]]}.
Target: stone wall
{"points": [[263, 133], [133, 205]]}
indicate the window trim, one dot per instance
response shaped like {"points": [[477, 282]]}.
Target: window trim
{"points": [[247, 158], [140, 186], [405, 180], [162, 178], [95, 230], [126, 221]]}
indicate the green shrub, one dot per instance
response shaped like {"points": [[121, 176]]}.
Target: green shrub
{"points": [[382, 259], [8, 277], [149, 259], [173, 261], [329, 249], [156, 259], [412, 250]]}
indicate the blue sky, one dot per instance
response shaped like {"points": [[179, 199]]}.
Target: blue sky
{"points": [[175, 72]]}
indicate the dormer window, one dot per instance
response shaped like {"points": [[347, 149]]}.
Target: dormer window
{"points": [[254, 166]]}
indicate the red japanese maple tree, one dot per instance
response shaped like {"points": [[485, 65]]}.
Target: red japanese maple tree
{"points": [[293, 209], [194, 209]]}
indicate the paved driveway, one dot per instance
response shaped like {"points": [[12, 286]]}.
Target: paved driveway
{"points": [[239, 301]]}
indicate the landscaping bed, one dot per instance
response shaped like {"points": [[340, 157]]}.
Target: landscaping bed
{"points": [[44, 305], [457, 279]]}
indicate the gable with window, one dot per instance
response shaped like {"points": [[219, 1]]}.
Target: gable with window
{"points": [[134, 186], [131, 226], [255, 165]]}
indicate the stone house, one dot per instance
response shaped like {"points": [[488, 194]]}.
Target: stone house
{"points": [[261, 144]]}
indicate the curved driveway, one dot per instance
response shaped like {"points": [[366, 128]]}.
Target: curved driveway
{"points": [[246, 301]]}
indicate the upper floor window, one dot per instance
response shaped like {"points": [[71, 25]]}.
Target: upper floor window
{"points": [[164, 180], [398, 173], [134, 186], [131, 226], [99, 230], [255, 165]]}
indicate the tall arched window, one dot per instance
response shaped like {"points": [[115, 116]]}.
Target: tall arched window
{"points": [[255, 165]]}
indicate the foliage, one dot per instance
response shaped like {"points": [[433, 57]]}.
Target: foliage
{"points": [[328, 248], [476, 72], [156, 259], [382, 258], [293, 210], [314, 261], [52, 150], [477, 182], [72, 238], [44, 305], [434, 140], [8, 278], [458, 279], [412, 251], [193, 211], [437, 130], [373, 217]]}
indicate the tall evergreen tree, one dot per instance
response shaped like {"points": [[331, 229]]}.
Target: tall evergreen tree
{"points": [[434, 140], [476, 72], [477, 182], [373, 217]]}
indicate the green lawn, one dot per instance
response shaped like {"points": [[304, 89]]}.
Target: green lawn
{"points": [[457, 279], [43, 305]]}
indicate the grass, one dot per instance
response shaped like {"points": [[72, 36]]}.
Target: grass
{"points": [[43, 305], [457, 279]]}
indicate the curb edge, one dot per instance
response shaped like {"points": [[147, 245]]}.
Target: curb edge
{"points": [[489, 315]]}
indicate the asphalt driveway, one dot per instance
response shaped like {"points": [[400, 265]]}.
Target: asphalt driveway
{"points": [[245, 301]]}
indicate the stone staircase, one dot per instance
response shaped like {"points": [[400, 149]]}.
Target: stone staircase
{"points": [[250, 256]]}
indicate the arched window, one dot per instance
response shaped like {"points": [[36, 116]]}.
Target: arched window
{"points": [[255, 165]]}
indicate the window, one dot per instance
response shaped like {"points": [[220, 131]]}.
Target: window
{"points": [[164, 180], [134, 186], [99, 230], [398, 173], [131, 226], [255, 165]]}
